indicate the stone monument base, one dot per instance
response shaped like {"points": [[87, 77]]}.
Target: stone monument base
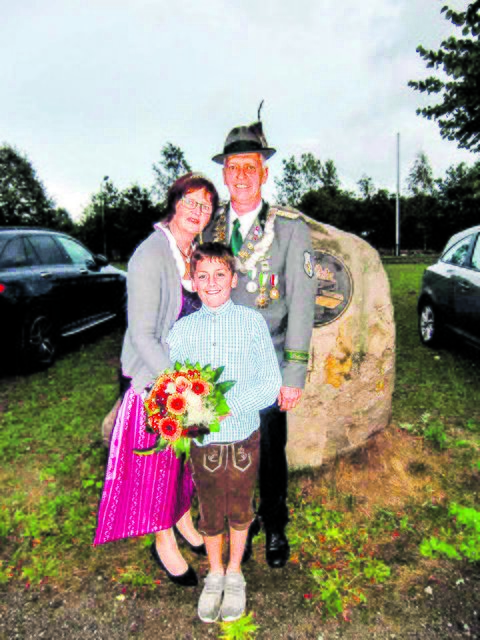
{"points": [[348, 394]]}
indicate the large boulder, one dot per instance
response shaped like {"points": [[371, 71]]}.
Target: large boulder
{"points": [[348, 394]]}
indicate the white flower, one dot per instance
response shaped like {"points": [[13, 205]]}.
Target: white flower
{"points": [[200, 415], [193, 400]]}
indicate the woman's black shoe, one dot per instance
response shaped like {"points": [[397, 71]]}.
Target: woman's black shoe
{"points": [[187, 579], [200, 549]]}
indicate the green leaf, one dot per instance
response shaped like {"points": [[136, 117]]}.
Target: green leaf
{"points": [[242, 629], [214, 426], [225, 386], [158, 446], [217, 373], [145, 452], [222, 407]]}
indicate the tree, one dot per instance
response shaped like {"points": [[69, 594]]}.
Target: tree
{"points": [[366, 186], [95, 225], [459, 199], [126, 216], [307, 174], [137, 213], [171, 166], [458, 114], [289, 187], [329, 176], [422, 208], [420, 179], [61, 221], [23, 198]]}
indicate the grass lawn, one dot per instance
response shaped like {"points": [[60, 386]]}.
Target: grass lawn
{"points": [[385, 543]]}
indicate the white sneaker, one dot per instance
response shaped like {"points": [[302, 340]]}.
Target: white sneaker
{"points": [[234, 597], [211, 597]]}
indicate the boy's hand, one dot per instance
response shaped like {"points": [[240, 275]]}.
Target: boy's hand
{"points": [[288, 398]]}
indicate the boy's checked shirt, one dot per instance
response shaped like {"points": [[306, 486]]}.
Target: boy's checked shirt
{"points": [[237, 338]]}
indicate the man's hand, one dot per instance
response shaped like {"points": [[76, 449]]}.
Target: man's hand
{"points": [[288, 398]]}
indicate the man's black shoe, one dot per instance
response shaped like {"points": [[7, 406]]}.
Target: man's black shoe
{"points": [[277, 549], [253, 530]]}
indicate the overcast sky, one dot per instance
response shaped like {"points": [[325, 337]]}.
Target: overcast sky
{"points": [[90, 88]]}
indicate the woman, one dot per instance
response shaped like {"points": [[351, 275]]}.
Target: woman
{"points": [[146, 494]]}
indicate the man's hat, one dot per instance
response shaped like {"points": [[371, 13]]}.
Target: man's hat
{"points": [[245, 139]]}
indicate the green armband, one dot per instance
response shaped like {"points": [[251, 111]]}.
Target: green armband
{"points": [[295, 356]]}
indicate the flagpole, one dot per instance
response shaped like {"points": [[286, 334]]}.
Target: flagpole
{"points": [[397, 206]]}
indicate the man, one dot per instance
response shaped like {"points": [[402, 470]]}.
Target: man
{"points": [[276, 276]]}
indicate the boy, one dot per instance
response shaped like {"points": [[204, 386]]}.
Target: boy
{"points": [[225, 465]]}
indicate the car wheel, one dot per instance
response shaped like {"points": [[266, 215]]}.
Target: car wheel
{"points": [[429, 325], [39, 341]]}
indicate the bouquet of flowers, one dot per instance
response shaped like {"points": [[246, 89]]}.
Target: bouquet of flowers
{"points": [[183, 404]]}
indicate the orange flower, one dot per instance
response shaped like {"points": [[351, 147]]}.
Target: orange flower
{"points": [[162, 381], [170, 429], [176, 404], [200, 387], [182, 383], [154, 421], [152, 404]]}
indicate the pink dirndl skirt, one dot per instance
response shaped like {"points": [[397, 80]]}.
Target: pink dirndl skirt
{"points": [[141, 494]]}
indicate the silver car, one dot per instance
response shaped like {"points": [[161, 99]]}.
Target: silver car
{"points": [[450, 293]]}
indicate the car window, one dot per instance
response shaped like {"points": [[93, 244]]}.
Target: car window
{"points": [[48, 250], [3, 242], [77, 253], [476, 255], [14, 255], [458, 254]]}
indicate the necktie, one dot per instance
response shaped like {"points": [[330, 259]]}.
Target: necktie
{"points": [[236, 240]]}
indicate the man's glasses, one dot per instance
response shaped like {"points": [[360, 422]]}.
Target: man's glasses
{"points": [[193, 204]]}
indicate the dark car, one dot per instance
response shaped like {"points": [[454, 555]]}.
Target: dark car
{"points": [[51, 286], [450, 292]]}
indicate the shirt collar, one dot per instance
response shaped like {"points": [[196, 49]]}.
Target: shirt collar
{"points": [[224, 308], [159, 226], [246, 220]]}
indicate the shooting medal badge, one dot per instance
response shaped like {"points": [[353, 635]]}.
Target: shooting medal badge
{"points": [[251, 285], [274, 292]]}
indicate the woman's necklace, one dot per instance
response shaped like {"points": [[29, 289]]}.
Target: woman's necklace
{"points": [[186, 259], [186, 256]]}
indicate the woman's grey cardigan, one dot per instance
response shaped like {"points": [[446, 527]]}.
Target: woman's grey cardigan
{"points": [[154, 291]]}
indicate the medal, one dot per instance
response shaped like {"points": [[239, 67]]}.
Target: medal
{"points": [[256, 233], [262, 300], [274, 292], [252, 286], [265, 265]]}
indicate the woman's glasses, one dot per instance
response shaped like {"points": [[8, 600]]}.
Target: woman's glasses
{"points": [[193, 204]]}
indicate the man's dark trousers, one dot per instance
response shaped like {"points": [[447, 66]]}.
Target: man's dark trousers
{"points": [[273, 473]]}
